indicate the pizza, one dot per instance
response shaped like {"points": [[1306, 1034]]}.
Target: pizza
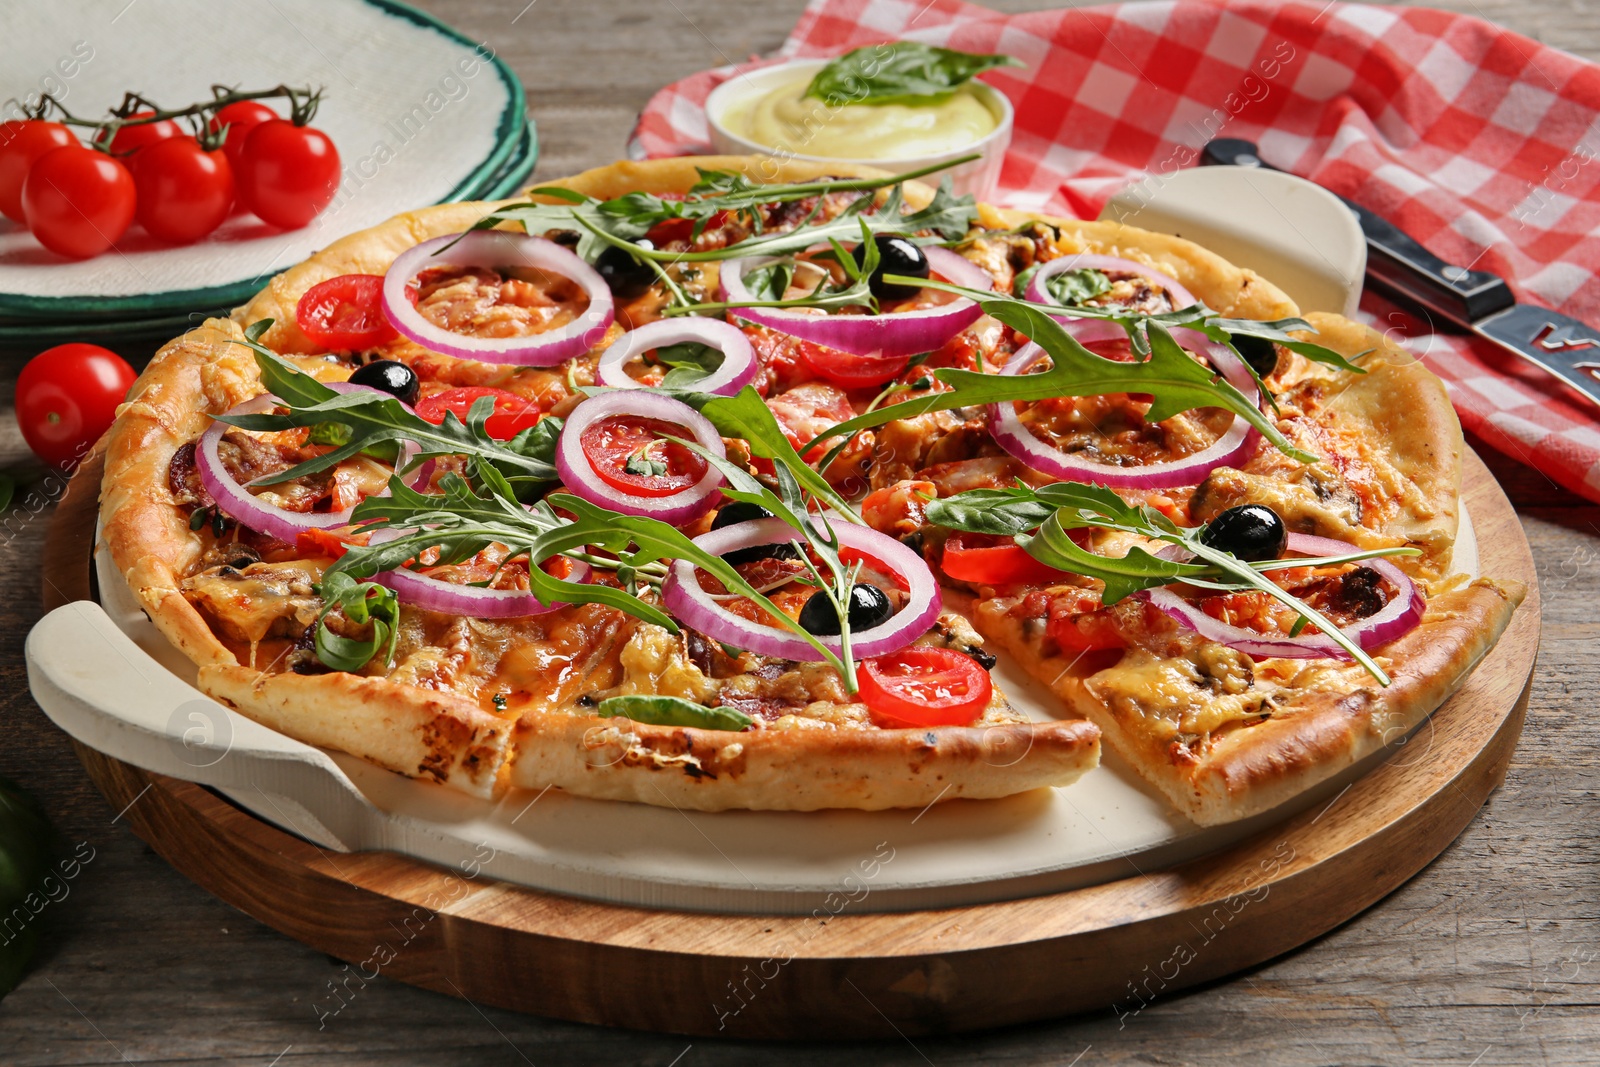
{"points": [[716, 483]]}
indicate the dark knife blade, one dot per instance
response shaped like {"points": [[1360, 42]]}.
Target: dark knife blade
{"points": [[1476, 300]]}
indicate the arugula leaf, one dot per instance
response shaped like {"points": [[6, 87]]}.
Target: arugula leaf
{"points": [[624, 219], [904, 72], [460, 522], [1074, 287], [689, 363], [1177, 382], [377, 421], [1071, 506], [747, 416], [672, 711], [771, 280], [363, 603]]}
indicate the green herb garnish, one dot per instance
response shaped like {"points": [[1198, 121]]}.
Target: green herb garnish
{"points": [[672, 711], [1053, 510], [363, 603], [904, 72]]}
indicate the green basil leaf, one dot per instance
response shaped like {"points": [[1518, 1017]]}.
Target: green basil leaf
{"points": [[672, 711], [1073, 287], [902, 72]]}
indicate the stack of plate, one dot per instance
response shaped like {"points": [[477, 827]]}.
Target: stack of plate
{"points": [[421, 115]]}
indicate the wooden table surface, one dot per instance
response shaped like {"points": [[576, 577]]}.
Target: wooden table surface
{"points": [[1489, 956]]}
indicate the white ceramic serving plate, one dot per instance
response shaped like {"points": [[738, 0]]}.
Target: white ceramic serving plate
{"points": [[978, 177], [108, 678], [419, 117]]}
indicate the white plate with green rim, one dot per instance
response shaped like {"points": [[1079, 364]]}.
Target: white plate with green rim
{"points": [[419, 113]]}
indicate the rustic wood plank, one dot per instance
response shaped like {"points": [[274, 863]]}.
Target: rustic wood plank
{"points": [[1490, 955]]}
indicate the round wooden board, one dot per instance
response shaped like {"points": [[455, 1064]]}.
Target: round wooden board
{"points": [[852, 973]]}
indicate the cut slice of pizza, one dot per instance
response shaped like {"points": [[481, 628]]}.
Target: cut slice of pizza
{"points": [[1218, 697]]}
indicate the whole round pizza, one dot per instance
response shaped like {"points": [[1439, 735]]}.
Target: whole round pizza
{"points": [[718, 482]]}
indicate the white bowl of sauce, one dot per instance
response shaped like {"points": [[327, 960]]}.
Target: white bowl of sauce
{"points": [[766, 112]]}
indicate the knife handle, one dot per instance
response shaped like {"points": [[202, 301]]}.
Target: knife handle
{"points": [[1396, 263]]}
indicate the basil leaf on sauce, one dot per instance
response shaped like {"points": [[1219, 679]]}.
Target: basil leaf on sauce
{"points": [[901, 72]]}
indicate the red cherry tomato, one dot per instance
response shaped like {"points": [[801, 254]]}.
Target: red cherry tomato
{"points": [[240, 117], [682, 229], [985, 560], [184, 192], [67, 396], [512, 413], [79, 202], [1089, 631], [287, 173], [922, 686], [21, 144], [345, 314], [628, 454], [130, 139], [851, 371]]}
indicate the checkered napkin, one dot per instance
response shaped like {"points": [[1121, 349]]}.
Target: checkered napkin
{"points": [[1480, 143]]}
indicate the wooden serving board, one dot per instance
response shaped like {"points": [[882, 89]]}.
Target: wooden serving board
{"points": [[844, 972]]}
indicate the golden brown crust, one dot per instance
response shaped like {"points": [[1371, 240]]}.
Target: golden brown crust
{"points": [[420, 733], [1254, 769], [1234, 292], [798, 770]]}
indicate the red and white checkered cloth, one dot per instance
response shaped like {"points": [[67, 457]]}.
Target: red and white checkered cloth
{"points": [[1479, 142]]}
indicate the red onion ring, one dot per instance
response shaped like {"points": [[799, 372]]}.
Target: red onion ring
{"points": [[1400, 616], [244, 507], [496, 248], [898, 333], [683, 595], [1234, 447], [450, 598], [1036, 291], [739, 365], [579, 476]]}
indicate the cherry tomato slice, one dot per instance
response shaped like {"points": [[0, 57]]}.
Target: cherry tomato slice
{"points": [[627, 452], [79, 202], [682, 229], [67, 396], [986, 560], [345, 314], [1090, 631], [922, 686], [850, 371], [22, 142], [512, 413]]}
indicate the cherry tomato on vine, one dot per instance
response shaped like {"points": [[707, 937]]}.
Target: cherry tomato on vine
{"points": [[512, 413], [130, 139], [628, 454], [67, 396], [345, 314], [924, 686], [78, 202], [22, 142], [287, 173], [184, 192], [240, 117]]}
